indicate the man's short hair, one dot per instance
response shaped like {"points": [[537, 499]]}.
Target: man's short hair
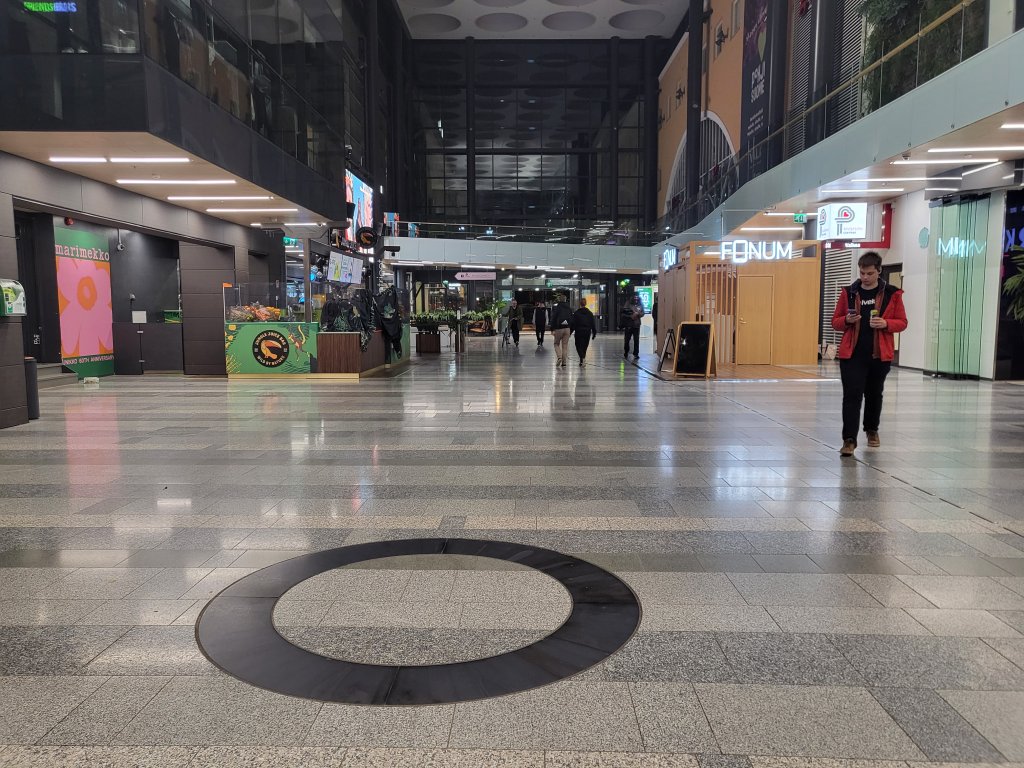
{"points": [[583, 303], [870, 259]]}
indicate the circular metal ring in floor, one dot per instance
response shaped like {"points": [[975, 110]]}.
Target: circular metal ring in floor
{"points": [[236, 631]]}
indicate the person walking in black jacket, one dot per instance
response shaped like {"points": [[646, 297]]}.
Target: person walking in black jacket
{"points": [[561, 327], [630, 320], [584, 325], [540, 322]]}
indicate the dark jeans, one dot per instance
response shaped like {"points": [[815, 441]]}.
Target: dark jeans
{"points": [[514, 328], [541, 329], [582, 344], [862, 380], [631, 333]]}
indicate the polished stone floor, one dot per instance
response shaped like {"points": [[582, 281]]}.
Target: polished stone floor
{"points": [[799, 610]]}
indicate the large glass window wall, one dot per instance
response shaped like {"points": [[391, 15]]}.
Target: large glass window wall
{"points": [[263, 62], [529, 134]]}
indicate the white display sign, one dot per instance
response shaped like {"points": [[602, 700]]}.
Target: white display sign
{"points": [[669, 258], [467, 276], [843, 221], [742, 251]]}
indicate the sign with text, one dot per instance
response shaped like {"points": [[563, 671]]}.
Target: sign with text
{"points": [[843, 221], [756, 75], [743, 251], [669, 258], [84, 301], [464, 277]]}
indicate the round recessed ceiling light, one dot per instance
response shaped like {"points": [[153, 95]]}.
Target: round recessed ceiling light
{"points": [[433, 24], [501, 22], [427, 5], [499, 3], [569, 21], [637, 21]]}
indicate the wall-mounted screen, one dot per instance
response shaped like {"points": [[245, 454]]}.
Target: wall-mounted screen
{"points": [[342, 268], [359, 194]]}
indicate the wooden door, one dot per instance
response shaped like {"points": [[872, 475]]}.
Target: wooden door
{"points": [[754, 296]]}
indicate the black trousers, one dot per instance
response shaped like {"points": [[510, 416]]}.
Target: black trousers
{"points": [[514, 328], [541, 328], [631, 333], [582, 345], [863, 380]]}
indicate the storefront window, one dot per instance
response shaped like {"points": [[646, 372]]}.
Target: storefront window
{"points": [[956, 279]]}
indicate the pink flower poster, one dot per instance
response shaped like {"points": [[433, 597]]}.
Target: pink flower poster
{"points": [[86, 315]]}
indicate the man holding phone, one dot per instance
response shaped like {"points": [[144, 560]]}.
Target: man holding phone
{"points": [[868, 313]]}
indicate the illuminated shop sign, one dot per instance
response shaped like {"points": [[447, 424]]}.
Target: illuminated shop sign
{"points": [[50, 7], [955, 247], [843, 221], [743, 251], [669, 258]]}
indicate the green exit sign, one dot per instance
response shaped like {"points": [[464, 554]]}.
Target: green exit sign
{"points": [[290, 240], [799, 218]]}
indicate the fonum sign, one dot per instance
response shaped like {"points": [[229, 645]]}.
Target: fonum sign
{"points": [[743, 251]]}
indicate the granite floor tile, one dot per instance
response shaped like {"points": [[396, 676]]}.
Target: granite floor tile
{"points": [[100, 717], [383, 757], [997, 715], [685, 588], [346, 726], [52, 650], [787, 659], [31, 706], [968, 566], [97, 584], [268, 757], [968, 592], [96, 757], [584, 716], [934, 726], [152, 651], [22, 613], [787, 564], [890, 592], [785, 589], [723, 761], [671, 719], [861, 564], [136, 612], [670, 657], [962, 623], [217, 711], [803, 720], [849, 621], [1012, 648], [706, 618], [929, 662]]}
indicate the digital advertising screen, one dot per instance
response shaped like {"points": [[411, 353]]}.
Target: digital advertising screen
{"points": [[361, 195]]}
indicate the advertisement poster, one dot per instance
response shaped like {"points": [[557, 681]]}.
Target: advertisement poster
{"points": [[274, 348], [83, 299], [361, 194], [756, 86]]}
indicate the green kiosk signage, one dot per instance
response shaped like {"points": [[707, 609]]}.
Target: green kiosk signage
{"points": [[270, 348]]}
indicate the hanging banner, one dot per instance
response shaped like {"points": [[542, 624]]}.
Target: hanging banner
{"points": [[84, 302], [757, 51]]}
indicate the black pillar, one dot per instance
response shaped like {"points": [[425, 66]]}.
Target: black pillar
{"points": [[470, 50], [648, 212], [613, 144], [13, 402], [821, 68], [373, 80]]}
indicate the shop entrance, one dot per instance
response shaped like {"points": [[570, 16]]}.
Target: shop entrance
{"points": [[754, 300]]}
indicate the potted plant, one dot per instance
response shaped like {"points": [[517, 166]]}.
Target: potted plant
{"points": [[428, 331]]}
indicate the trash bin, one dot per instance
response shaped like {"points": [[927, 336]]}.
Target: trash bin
{"points": [[32, 387]]}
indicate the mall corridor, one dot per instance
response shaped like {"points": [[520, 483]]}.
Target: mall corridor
{"points": [[796, 608]]}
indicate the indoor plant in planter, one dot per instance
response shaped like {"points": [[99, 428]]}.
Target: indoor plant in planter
{"points": [[428, 331]]}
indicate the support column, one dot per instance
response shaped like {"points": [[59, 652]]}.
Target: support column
{"points": [[613, 144], [693, 101], [648, 212], [204, 271], [470, 50], [13, 404]]}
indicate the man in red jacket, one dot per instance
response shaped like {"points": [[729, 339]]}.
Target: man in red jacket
{"points": [[868, 313]]}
